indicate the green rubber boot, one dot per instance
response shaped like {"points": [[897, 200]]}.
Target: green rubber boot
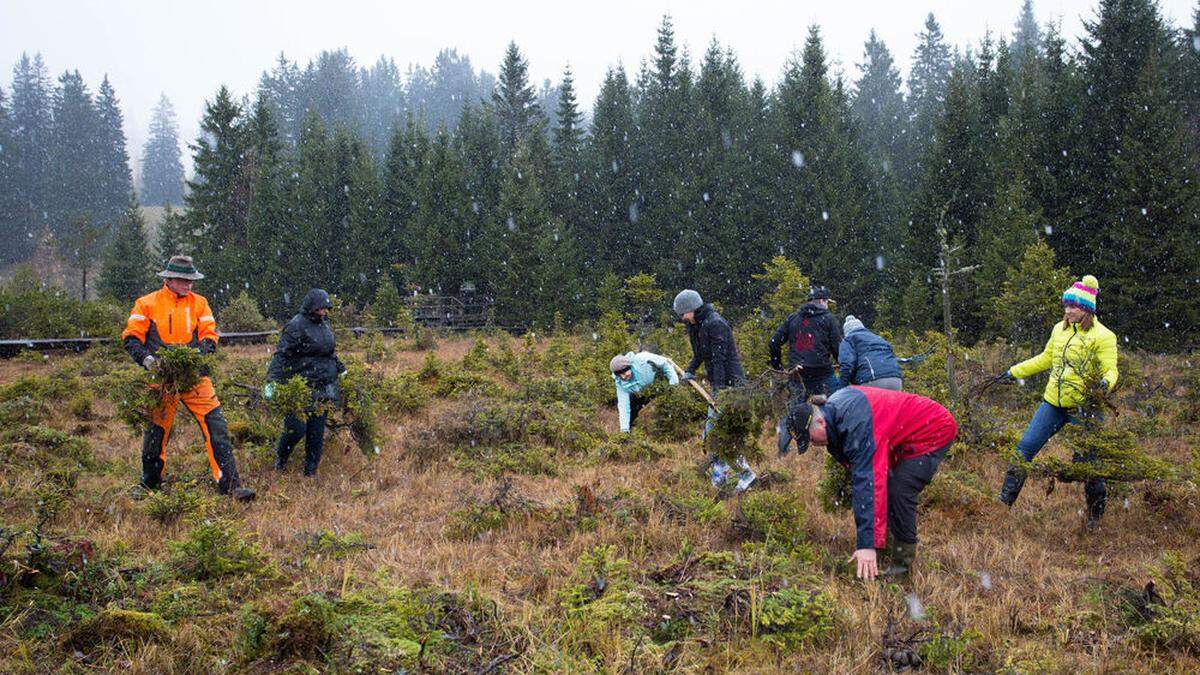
{"points": [[901, 554]]}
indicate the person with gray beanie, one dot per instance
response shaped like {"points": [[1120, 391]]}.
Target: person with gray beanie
{"points": [[633, 372], [713, 347], [867, 359]]}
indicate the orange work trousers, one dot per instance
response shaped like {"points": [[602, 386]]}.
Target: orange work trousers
{"points": [[202, 402]]}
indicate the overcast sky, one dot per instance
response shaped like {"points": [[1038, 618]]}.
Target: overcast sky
{"points": [[188, 49]]}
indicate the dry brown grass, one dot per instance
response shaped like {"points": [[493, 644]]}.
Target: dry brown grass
{"points": [[1027, 579]]}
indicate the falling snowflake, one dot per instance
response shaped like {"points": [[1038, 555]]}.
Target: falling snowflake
{"points": [[797, 159]]}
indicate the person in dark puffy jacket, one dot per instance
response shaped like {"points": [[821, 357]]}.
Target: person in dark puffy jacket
{"points": [[812, 334], [713, 346], [306, 348], [712, 342], [866, 359]]}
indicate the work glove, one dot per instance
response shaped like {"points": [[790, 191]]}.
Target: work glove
{"points": [[688, 376], [150, 362], [1104, 385], [1006, 377], [207, 346], [269, 390]]}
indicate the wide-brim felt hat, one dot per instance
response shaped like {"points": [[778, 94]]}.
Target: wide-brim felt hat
{"points": [[181, 267]]}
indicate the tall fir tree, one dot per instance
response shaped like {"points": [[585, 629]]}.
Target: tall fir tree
{"points": [[927, 82], [75, 177], [664, 174], [514, 100], [612, 228], [1140, 210], [12, 229], [401, 171], [114, 179], [266, 269], [1027, 36], [127, 270], [218, 196], [540, 271], [879, 105], [569, 187], [162, 168], [824, 180], [441, 238], [32, 123]]}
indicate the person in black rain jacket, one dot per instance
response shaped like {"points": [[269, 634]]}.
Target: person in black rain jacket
{"points": [[306, 348]]}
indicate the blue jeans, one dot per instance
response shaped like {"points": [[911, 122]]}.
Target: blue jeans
{"points": [[1047, 421]]}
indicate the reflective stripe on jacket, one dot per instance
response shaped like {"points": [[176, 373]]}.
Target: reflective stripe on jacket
{"points": [[162, 318]]}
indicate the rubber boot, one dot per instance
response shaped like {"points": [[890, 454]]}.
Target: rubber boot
{"points": [[902, 555], [1097, 499], [1014, 480]]}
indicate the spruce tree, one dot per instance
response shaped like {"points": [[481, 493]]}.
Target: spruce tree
{"points": [[113, 177], [173, 237], [1140, 209], [442, 243], [664, 148], [76, 160], [478, 146], [32, 123], [927, 82], [12, 229], [540, 271], [361, 258], [879, 106], [127, 271], [1027, 36], [825, 186], [569, 186], [514, 100], [401, 170], [162, 169], [271, 242], [217, 199], [612, 229]]}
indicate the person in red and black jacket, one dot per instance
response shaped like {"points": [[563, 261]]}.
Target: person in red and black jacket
{"points": [[892, 443]]}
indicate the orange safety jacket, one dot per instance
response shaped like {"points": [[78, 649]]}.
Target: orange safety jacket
{"points": [[162, 318]]}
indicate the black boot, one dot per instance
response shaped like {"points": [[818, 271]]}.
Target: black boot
{"points": [[902, 555], [1097, 498], [1014, 480]]}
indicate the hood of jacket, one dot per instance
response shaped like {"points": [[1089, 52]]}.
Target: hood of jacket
{"points": [[315, 299]]}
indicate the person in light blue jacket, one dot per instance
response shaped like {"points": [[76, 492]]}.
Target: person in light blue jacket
{"points": [[632, 373], [867, 360]]}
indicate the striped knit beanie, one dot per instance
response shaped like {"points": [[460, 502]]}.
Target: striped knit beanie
{"points": [[1082, 294]]}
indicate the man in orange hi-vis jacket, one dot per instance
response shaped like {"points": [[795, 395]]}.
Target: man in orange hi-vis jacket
{"points": [[174, 315]]}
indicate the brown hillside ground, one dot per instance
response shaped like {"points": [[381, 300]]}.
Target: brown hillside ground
{"points": [[478, 544]]}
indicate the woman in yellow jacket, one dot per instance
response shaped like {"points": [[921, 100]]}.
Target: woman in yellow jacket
{"points": [[1081, 353]]}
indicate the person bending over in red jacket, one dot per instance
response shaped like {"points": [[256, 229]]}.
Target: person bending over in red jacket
{"points": [[892, 443]]}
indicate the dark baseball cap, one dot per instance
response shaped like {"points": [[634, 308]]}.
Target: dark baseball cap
{"points": [[798, 418], [818, 293]]}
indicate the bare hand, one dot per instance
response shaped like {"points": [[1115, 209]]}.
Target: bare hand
{"points": [[868, 567]]}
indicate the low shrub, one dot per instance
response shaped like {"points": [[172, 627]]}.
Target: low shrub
{"points": [[772, 517], [112, 625], [214, 549], [792, 617]]}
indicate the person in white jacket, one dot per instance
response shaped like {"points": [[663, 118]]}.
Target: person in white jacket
{"points": [[634, 372]]}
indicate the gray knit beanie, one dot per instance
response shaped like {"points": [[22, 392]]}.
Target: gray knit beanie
{"points": [[687, 301], [852, 324], [619, 362]]}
